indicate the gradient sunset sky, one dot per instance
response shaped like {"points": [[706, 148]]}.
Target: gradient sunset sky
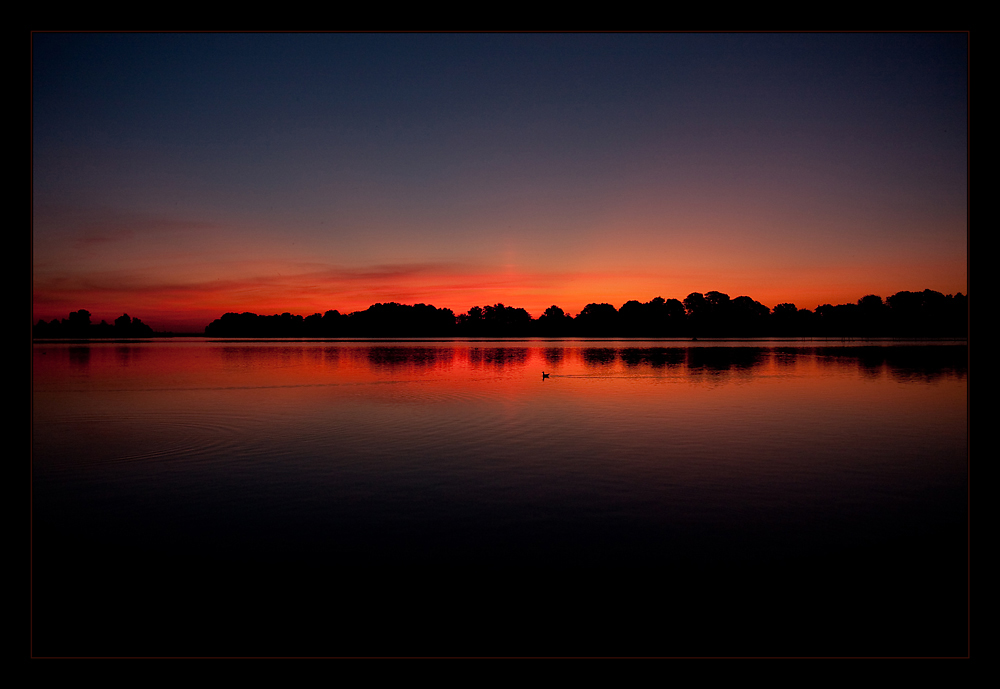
{"points": [[180, 176]]}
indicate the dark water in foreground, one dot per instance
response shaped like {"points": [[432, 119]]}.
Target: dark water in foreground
{"points": [[441, 498]]}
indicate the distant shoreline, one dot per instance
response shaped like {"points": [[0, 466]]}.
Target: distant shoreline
{"points": [[926, 314]]}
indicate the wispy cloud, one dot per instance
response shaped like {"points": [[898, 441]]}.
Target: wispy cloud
{"points": [[84, 227]]}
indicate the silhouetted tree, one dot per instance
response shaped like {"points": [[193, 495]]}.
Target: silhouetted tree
{"points": [[673, 317], [79, 325], [333, 323], [633, 319], [698, 313], [783, 319], [471, 323], [554, 322], [506, 321], [745, 317], [597, 320], [718, 301], [837, 321], [871, 316], [102, 329], [928, 313], [401, 320]]}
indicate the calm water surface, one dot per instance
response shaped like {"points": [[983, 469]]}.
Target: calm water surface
{"points": [[754, 493]]}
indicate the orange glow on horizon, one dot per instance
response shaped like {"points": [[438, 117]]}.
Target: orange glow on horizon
{"points": [[167, 305]]}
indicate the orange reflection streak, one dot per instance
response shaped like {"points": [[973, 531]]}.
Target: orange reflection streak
{"points": [[703, 416], [637, 375]]}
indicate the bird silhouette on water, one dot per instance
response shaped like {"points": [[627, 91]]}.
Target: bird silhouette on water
{"points": [[544, 375]]}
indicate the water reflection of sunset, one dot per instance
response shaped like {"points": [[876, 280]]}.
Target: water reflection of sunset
{"points": [[684, 391], [638, 461]]}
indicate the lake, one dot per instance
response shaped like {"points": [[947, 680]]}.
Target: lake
{"points": [[652, 498]]}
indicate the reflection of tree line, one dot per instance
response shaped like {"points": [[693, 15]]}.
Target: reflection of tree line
{"points": [[694, 358], [902, 361], [714, 314]]}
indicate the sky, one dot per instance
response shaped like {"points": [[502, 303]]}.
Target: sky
{"points": [[180, 176]]}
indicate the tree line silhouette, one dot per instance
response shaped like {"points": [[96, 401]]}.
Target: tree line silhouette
{"points": [[78, 325], [713, 314]]}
